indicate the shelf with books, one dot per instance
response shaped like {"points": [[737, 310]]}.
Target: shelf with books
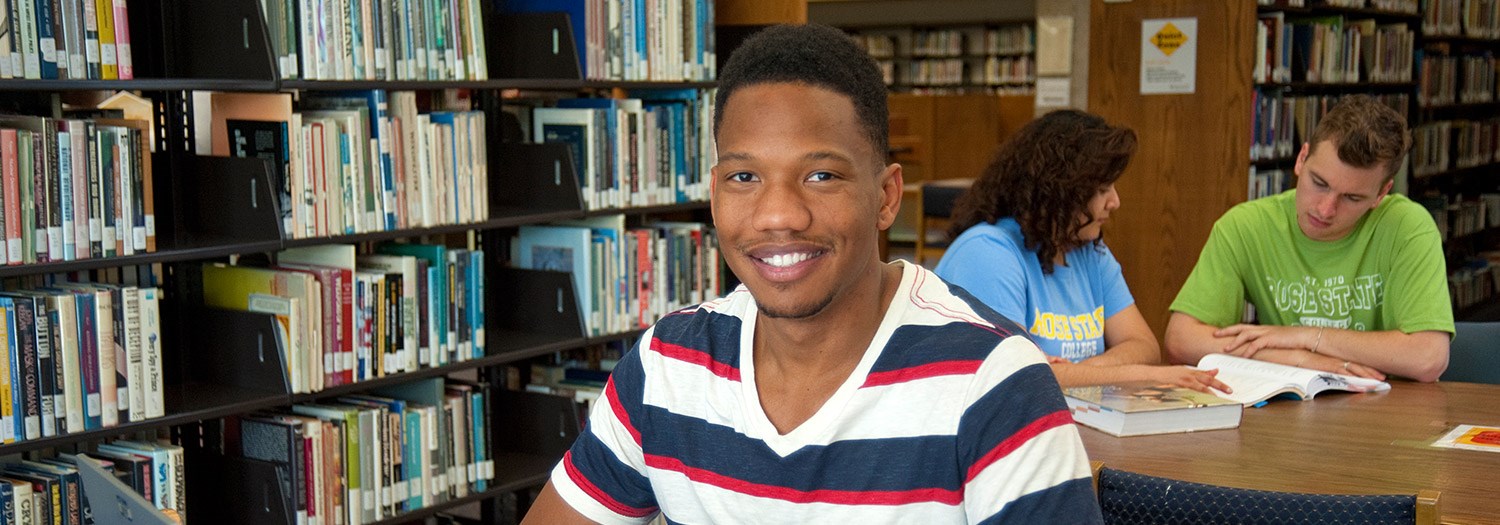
{"points": [[1318, 10], [1460, 40], [538, 84], [1342, 87], [139, 84]]}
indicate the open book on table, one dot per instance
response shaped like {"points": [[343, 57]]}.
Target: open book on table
{"points": [[1136, 409], [1255, 381]]}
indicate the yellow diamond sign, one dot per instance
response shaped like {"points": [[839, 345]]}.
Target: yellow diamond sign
{"points": [[1168, 39]]}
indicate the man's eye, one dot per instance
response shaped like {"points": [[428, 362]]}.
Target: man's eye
{"points": [[820, 176], [742, 176]]}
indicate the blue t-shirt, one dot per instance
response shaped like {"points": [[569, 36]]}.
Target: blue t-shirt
{"points": [[1063, 311]]}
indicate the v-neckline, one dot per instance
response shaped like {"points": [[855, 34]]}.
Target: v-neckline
{"points": [[818, 428]]}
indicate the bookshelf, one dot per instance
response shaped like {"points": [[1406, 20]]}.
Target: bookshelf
{"points": [[1456, 153], [217, 362], [995, 58]]}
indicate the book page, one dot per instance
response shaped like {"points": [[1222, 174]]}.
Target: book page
{"points": [[1254, 381]]}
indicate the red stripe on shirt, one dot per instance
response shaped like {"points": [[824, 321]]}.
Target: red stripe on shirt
{"points": [[1010, 444], [697, 357], [913, 373], [620, 413], [830, 496], [599, 495]]}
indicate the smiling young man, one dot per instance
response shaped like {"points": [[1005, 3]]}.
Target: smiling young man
{"points": [[830, 387], [1343, 276]]}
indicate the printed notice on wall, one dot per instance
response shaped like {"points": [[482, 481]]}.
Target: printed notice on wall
{"points": [[1169, 55]]}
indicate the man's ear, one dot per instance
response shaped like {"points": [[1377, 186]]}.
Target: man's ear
{"points": [[1385, 190], [891, 185]]}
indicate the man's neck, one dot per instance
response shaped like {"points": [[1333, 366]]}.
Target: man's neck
{"points": [[838, 334]]}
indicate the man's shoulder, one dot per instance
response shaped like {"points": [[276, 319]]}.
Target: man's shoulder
{"points": [[1403, 213], [941, 309]]}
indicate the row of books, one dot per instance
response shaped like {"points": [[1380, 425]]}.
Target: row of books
{"points": [[81, 356], [1393, 6], [51, 490], [1268, 182], [364, 458], [1463, 79], [625, 278], [360, 161], [347, 317], [659, 40], [1470, 18], [958, 71], [1442, 145], [1457, 215], [1475, 280], [1282, 122], [1331, 49], [65, 39], [75, 189], [644, 151], [377, 39]]}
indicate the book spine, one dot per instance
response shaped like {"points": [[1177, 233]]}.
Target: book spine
{"points": [[53, 193], [151, 353], [46, 40], [131, 376], [9, 373], [109, 68], [92, 51], [89, 362], [64, 185], [123, 61], [79, 132], [61, 344], [46, 367], [9, 146], [95, 203], [109, 401], [31, 408]]}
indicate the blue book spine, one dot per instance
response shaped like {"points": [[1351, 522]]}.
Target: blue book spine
{"points": [[476, 304], [411, 462], [46, 39], [14, 353], [476, 437], [8, 496]]}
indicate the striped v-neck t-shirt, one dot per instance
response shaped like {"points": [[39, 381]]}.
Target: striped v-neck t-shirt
{"points": [[952, 416]]}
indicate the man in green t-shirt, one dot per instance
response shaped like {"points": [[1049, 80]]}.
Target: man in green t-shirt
{"points": [[1342, 276]]}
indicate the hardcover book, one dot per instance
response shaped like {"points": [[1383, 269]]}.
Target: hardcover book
{"points": [[1138, 409]]}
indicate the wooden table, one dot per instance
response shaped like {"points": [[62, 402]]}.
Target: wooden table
{"points": [[1338, 443]]}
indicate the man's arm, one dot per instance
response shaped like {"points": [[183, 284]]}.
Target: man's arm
{"points": [[1421, 356], [549, 508], [1131, 355]]}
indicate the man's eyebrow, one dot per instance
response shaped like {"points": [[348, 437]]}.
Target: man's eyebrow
{"points": [[735, 156], [827, 155]]}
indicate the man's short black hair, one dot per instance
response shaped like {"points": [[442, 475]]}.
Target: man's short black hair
{"points": [[813, 55]]}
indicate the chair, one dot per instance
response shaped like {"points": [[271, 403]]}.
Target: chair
{"points": [[1128, 498], [933, 210], [1474, 355]]}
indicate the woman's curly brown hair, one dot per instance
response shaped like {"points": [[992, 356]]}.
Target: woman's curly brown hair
{"points": [[1044, 177]]}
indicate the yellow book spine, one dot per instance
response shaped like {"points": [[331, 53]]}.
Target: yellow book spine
{"points": [[108, 62], [7, 414]]}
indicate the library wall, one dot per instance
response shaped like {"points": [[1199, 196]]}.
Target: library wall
{"points": [[1191, 163]]}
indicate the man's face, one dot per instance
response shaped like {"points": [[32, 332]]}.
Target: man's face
{"points": [[799, 196], [1332, 195]]}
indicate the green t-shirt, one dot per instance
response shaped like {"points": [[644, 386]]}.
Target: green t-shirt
{"points": [[1387, 274]]}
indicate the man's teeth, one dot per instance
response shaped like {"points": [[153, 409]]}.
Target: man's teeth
{"points": [[786, 259]]}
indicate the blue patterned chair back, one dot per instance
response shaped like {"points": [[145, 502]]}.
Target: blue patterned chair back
{"points": [[1128, 498], [1474, 355]]}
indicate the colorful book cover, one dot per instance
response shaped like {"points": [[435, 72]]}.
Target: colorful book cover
{"points": [[1471, 437]]}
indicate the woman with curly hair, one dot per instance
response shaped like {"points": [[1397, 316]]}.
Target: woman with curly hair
{"points": [[1028, 242]]}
